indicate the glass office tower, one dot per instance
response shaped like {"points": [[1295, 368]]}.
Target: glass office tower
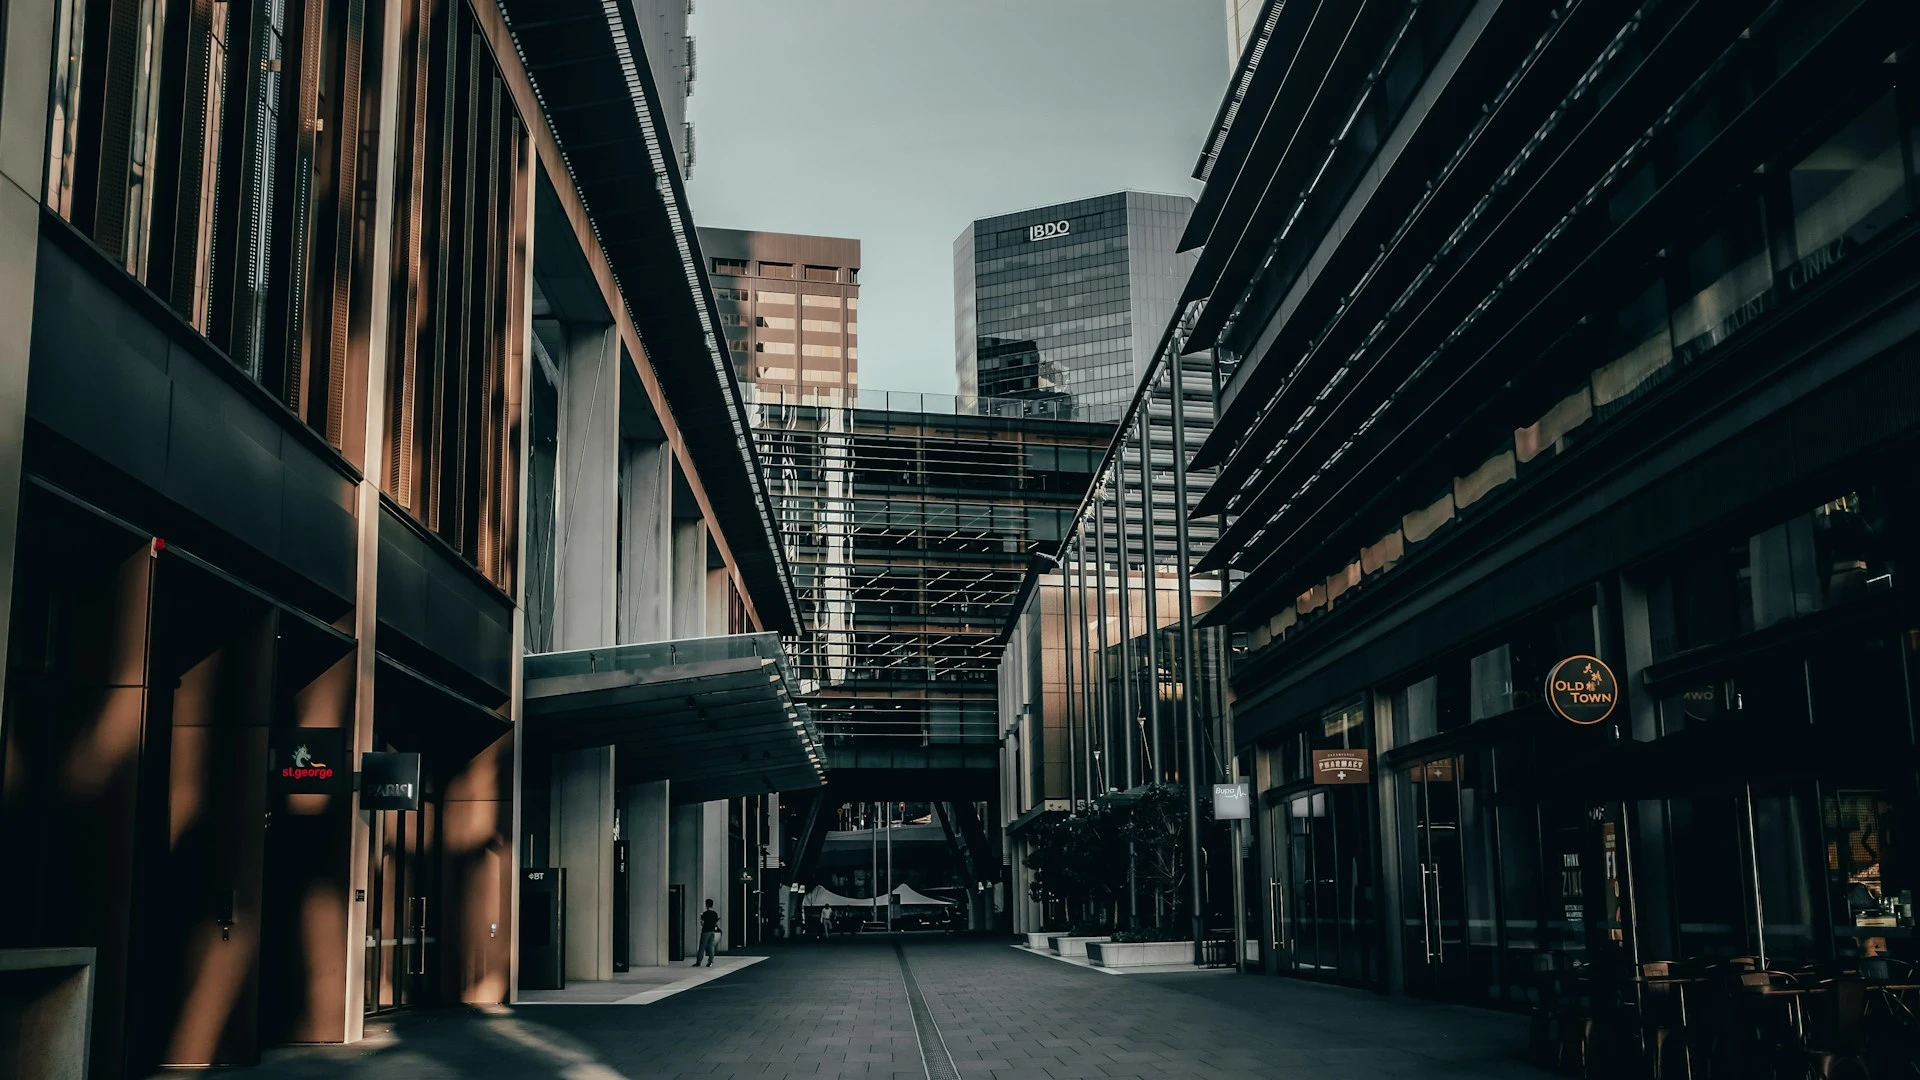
{"points": [[1058, 308]]}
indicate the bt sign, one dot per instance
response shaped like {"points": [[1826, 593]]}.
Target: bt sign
{"points": [[1047, 230]]}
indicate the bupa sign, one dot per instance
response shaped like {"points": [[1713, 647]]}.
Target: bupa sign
{"points": [[390, 781], [1047, 230]]}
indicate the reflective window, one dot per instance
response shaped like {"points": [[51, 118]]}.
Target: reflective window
{"points": [[1847, 192]]}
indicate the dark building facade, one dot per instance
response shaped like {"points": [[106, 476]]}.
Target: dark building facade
{"points": [[1058, 308], [323, 412], [1567, 440]]}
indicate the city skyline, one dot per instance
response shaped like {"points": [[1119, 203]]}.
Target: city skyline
{"points": [[1087, 106]]}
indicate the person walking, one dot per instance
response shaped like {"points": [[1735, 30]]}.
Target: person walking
{"points": [[826, 921], [709, 935]]}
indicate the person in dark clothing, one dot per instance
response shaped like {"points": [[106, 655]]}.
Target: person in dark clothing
{"points": [[709, 935]]}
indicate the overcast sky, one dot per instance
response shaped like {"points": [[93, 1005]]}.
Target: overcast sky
{"points": [[899, 121]]}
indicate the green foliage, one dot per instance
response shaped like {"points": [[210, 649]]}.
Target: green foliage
{"points": [[1152, 933], [1080, 860], [1157, 827]]}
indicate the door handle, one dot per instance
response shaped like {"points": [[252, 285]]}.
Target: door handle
{"points": [[1277, 913], [1426, 914], [417, 956]]}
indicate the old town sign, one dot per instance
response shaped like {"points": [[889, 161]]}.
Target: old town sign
{"points": [[1341, 766], [1582, 689]]}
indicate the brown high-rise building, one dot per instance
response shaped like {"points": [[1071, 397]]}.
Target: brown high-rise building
{"points": [[789, 307]]}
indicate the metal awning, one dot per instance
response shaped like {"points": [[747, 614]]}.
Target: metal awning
{"points": [[715, 717]]}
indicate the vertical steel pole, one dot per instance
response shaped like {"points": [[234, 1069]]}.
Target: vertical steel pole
{"points": [[1066, 657], [1080, 569], [1129, 731], [1100, 593], [888, 808], [1151, 594], [1182, 543]]}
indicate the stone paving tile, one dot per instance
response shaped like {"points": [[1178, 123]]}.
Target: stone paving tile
{"points": [[840, 1010]]}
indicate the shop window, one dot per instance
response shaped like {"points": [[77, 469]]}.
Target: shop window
{"points": [[1343, 728], [1870, 878], [1642, 351], [1710, 883], [1725, 281], [1431, 706], [1491, 680], [1847, 192], [1781, 822]]}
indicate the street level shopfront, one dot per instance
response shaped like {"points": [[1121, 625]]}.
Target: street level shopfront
{"points": [[1746, 796]]}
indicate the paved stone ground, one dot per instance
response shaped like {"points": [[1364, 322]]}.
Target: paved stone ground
{"points": [[842, 1010]]}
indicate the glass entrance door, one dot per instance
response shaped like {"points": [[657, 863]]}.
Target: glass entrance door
{"points": [[403, 883], [1433, 882], [1320, 895]]}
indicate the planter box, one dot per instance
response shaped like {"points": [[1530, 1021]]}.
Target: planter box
{"points": [[1113, 954], [1038, 942], [1071, 946]]}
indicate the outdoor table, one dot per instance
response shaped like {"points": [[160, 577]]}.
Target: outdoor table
{"points": [[1679, 984]]}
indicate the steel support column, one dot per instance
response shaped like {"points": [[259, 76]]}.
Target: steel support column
{"points": [[1151, 595], [1105, 766], [1183, 542], [1129, 730]]}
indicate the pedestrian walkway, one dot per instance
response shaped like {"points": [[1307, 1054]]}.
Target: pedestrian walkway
{"points": [[916, 1009], [643, 986]]}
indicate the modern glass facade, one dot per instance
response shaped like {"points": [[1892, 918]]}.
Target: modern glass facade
{"points": [[1629, 391], [908, 523], [1065, 303]]}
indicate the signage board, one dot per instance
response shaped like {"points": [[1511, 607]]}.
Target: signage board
{"points": [[1061, 805], [310, 761], [1342, 766], [1047, 230], [1582, 689], [390, 781], [1230, 802]]}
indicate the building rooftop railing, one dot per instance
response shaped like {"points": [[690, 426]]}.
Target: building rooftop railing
{"points": [[1039, 407]]}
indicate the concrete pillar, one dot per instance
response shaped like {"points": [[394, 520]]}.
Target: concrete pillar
{"points": [[689, 578], [699, 863], [351, 989], [24, 64], [717, 606], [582, 830], [24, 60], [647, 819], [586, 483], [714, 883], [646, 536]]}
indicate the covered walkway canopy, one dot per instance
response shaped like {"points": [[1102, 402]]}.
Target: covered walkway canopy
{"points": [[713, 716]]}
